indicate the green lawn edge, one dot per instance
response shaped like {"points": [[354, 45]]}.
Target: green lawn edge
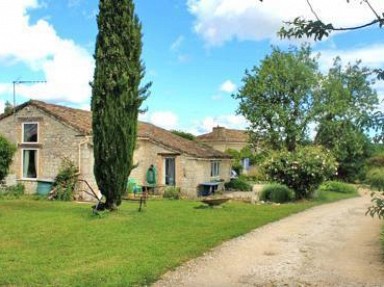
{"points": [[45, 243]]}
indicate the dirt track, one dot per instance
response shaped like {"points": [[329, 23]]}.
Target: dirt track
{"points": [[329, 245]]}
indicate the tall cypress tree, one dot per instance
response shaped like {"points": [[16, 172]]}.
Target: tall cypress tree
{"points": [[116, 96]]}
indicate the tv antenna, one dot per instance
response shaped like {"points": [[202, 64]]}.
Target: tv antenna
{"points": [[18, 82]]}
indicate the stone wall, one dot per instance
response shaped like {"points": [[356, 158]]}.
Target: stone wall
{"points": [[190, 171], [56, 142], [224, 145]]}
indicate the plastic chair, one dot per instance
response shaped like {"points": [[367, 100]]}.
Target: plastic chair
{"points": [[133, 186]]}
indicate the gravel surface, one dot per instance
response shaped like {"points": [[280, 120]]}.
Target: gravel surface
{"points": [[329, 245]]}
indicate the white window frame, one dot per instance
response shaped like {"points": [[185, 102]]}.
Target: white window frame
{"points": [[215, 168], [23, 130], [37, 163]]}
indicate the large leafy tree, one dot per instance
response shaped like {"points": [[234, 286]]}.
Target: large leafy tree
{"points": [[317, 29], [116, 96], [277, 97], [345, 114]]}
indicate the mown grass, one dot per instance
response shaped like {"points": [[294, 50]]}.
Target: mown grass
{"points": [[63, 244]]}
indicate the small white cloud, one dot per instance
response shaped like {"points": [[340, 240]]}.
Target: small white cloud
{"points": [[165, 119], [176, 45], [228, 87], [227, 121]]}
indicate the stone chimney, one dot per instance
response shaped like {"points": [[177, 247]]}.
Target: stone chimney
{"points": [[219, 132]]}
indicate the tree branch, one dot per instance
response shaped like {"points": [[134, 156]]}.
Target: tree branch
{"points": [[372, 9], [313, 11]]}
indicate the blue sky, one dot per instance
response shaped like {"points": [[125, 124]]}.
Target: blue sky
{"points": [[195, 51]]}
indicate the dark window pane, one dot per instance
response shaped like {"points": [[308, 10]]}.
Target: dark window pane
{"points": [[170, 171], [29, 164], [30, 133]]}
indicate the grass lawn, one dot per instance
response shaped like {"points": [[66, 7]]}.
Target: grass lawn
{"points": [[46, 243]]}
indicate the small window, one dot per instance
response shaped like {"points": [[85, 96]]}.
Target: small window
{"points": [[29, 163], [30, 132], [215, 168]]}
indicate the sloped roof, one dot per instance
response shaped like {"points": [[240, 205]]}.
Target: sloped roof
{"points": [[177, 143], [81, 120], [224, 135]]}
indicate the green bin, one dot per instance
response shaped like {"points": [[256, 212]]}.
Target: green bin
{"points": [[44, 186]]}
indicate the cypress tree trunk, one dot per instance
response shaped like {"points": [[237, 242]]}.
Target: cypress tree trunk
{"points": [[116, 96]]}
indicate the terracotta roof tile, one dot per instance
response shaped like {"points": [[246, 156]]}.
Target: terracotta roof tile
{"points": [[225, 135], [168, 139]]}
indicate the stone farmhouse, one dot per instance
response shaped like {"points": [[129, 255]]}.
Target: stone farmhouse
{"points": [[223, 139], [46, 134]]}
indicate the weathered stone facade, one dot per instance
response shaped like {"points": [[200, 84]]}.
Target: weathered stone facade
{"points": [[56, 142], [65, 134], [223, 139], [190, 171]]}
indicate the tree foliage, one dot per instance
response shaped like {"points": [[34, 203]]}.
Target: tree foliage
{"points": [[116, 96], [183, 134], [277, 97], [8, 108], [345, 114], [7, 150]]}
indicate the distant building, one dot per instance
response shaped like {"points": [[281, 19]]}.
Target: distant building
{"points": [[223, 139]]}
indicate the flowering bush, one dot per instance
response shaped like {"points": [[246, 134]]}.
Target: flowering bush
{"points": [[303, 170]]}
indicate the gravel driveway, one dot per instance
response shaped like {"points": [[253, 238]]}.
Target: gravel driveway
{"points": [[329, 245]]}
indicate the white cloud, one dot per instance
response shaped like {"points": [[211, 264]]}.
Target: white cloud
{"points": [[227, 121], [371, 56], [176, 45], [67, 67], [219, 21], [228, 87], [176, 48], [165, 119]]}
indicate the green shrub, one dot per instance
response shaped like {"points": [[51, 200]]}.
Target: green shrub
{"points": [[278, 193], [376, 160], [378, 205], [238, 184], [7, 150], [14, 191], [257, 174], [172, 192], [337, 186], [375, 178], [303, 170], [65, 181]]}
